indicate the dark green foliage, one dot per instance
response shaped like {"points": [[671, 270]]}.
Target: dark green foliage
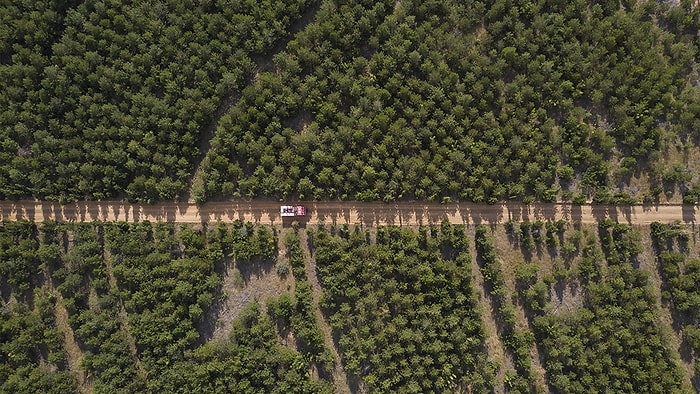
{"points": [[303, 320], [463, 100], [526, 274], [165, 290], [686, 289], [691, 195], [613, 342], [406, 317], [31, 347], [692, 336], [682, 275], [95, 321], [104, 98], [590, 265], [490, 265], [527, 240], [165, 282], [19, 260], [483, 101], [249, 243], [250, 361], [620, 245]]}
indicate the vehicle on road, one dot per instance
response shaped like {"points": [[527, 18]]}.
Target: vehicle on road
{"points": [[292, 210]]}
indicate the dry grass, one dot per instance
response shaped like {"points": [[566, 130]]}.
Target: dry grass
{"points": [[244, 283], [340, 378], [494, 345], [665, 320]]}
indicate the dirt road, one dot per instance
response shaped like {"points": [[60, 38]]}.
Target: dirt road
{"points": [[403, 213]]}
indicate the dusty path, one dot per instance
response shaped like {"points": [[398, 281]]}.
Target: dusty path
{"points": [[73, 353], [374, 213]]}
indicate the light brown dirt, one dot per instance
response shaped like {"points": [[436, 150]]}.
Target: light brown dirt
{"points": [[244, 283], [340, 212]]}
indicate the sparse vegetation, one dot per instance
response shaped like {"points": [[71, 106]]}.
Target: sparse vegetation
{"points": [[681, 274]]}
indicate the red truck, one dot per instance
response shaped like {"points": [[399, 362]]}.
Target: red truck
{"points": [[292, 210]]}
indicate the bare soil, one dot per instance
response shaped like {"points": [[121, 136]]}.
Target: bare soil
{"points": [[244, 283], [341, 212]]}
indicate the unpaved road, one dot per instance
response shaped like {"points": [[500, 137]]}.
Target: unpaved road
{"points": [[337, 212]]}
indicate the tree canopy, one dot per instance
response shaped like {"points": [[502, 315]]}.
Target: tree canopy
{"points": [[480, 101], [476, 100]]}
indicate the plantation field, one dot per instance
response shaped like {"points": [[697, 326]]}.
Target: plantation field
{"points": [[113, 306], [501, 196], [480, 101]]}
